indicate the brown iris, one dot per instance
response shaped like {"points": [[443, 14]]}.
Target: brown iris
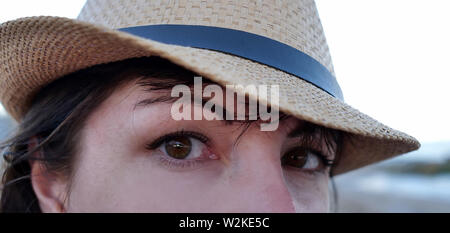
{"points": [[179, 147], [296, 157]]}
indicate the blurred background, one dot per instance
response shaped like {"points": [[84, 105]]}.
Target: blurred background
{"points": [[391, 59]]}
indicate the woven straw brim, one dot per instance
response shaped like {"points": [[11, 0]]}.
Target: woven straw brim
{"points": [[37, 50]]}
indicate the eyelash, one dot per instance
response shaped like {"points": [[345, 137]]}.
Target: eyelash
{"points": [[170, 162]]}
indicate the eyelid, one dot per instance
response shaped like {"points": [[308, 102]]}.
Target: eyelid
{"points": [[157, 142]]}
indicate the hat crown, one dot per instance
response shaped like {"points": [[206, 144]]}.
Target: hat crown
{"points": [[292, 22]]}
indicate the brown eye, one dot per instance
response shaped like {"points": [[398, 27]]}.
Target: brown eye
{"points": [[179, 147], [302, 158], [295, 158]]}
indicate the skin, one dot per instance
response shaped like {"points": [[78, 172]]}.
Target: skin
{"points": [[116, 172]]}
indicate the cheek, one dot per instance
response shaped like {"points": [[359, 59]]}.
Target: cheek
{"points": [[141, 184], [153, 188], [100, 169], [95, 183], [309, 193]]}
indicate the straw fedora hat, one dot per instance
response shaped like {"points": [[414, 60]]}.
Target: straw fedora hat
{"points": [[231, 42]]}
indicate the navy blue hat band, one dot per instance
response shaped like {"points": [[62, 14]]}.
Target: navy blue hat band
{"points": [[243, 44]]}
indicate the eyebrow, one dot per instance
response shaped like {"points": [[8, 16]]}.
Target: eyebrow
{"points": [[149, 101], [169, 99]]}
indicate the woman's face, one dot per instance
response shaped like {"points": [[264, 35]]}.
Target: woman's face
{"points": [[138, 159]]}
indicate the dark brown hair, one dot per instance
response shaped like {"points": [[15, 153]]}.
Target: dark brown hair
{"points": [[58, 113]]}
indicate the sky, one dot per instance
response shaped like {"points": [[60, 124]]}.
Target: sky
{"points": [[390, 56]]}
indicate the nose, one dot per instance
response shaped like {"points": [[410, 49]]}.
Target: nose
{"points": [[257, 177]]}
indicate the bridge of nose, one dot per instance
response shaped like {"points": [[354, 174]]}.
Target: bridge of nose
{"points": [[256, 174]]}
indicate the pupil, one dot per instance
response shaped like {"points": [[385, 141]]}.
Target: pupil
{"points": [[179, 147]]}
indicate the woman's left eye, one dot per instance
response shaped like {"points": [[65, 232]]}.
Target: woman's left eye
{"points": [[303, 159]]}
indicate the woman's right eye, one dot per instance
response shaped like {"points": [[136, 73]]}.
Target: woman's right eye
{"points": [[182, 147]]}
